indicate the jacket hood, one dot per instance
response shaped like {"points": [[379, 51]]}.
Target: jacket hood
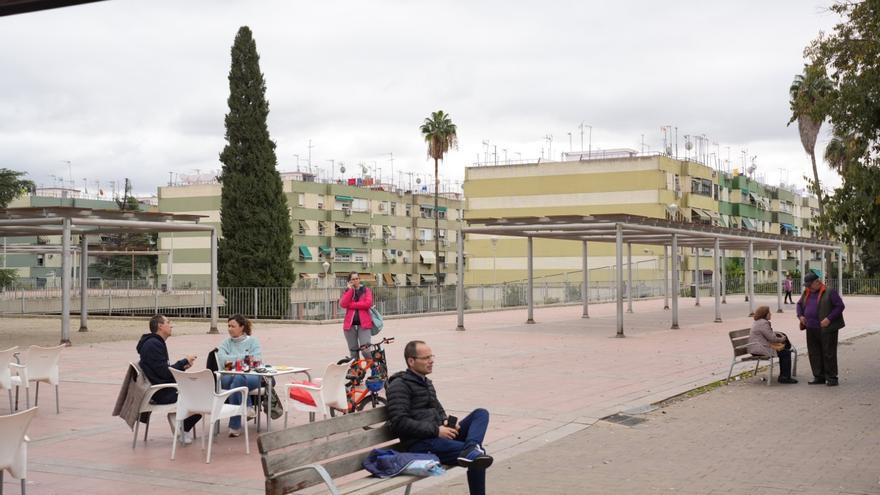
{"points": [[144, 338]]}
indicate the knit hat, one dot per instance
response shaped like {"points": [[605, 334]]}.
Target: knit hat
{"points": [[810, 277]]}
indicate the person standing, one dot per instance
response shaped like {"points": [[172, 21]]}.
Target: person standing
{"points": [[820, 311], [787, 285], [238, 345], [416, 416], [357, 325], [154, 363]]}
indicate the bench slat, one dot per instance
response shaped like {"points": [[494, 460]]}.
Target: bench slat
{"points": [[283, 460], [375, 486], [300, 480], [267, 442]]}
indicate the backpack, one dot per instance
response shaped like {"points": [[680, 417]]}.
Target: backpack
{"points": [[377, 321]]}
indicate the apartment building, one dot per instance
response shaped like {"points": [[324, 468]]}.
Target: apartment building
{"points": [[621, 182], [338, 227]]}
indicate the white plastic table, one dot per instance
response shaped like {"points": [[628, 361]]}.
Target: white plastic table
{"points": [[266, 378]]}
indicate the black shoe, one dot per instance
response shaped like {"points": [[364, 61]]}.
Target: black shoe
{"points": [[474, 456], [816, 381], [832, 382], [786, 379]]}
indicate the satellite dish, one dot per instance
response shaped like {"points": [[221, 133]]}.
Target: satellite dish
{"points": [[363, 169], [688, 145], [342, 169], [669, 150], [418, 180]]}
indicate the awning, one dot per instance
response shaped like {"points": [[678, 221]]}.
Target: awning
{"points": [[303, 227], [441, 208], [748, 224], [414, 280], [387, 254], [724, 221], [753, 197], [400, 280], [429, 279], [344, 250], [344, 225], [427, 257], [367, 277], [325, 250], [305, 252], [308, 275], [386, 229], [702, 214], [388, 279], [344, 199], [714, 214]]}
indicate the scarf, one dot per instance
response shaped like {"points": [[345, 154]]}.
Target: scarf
{"points": [[820, 292], [239, 339]]}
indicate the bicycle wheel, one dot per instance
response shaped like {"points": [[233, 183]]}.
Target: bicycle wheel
{"points": [[373, 401]]}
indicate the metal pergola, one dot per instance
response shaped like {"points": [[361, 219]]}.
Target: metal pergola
{"points": [[69, 221], [632, 229]]}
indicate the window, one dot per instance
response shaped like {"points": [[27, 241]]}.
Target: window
{"points": [[320, 201], [41, 259], [393, 208], [426, 211], [360, 256], [408, 210], [426, 234], [362, 232], [407, 233], [322, 229], [301, 199], [302, 227], [360, 205], [702, 187]]}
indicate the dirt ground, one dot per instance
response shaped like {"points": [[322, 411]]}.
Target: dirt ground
{"points": [[23, 331]]}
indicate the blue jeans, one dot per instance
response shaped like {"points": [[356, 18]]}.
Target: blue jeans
{"points": [[473, 430], [232, 381]]}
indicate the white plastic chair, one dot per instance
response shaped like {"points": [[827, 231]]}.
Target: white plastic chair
{"points": [[196, 395], [40, 364], [147, 407], [13, 445], [7, 379], [259, 394], [330, 392]]}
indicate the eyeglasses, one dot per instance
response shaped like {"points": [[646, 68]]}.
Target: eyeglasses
{"points": [[425, 358]]}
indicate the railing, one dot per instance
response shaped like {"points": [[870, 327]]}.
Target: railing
{"points": [[322, 303]]}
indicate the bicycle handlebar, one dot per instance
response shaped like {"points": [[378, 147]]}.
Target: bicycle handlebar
{"points": [[387, 340]]}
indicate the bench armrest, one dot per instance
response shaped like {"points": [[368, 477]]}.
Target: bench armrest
{"points": [[328, 480]]}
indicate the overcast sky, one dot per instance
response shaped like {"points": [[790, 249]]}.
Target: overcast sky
{"points": [[138, 88]]}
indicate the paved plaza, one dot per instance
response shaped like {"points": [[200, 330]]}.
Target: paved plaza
{"points": [[547, 385]]}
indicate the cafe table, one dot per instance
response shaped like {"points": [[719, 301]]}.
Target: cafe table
{"points": [[266, 377]]}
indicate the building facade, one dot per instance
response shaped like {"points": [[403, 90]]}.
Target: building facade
{"points": [[650, 185], [387, 236]]}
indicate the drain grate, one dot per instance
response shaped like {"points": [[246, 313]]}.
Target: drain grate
{"points": [[624, 419]]}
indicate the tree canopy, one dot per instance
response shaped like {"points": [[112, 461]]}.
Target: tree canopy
{"points": [[12, 185], [441, 135], [256, 242]]}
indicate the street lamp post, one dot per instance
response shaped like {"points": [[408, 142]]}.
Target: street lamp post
{"points": [[494, 241]]}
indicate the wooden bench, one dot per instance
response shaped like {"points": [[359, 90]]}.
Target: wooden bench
{"points": [[739, 339], [325, 451]]}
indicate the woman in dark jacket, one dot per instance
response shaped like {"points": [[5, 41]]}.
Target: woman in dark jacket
{"points": [[762, 336], [357, 325]]}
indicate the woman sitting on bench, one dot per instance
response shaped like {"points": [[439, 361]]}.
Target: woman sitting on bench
{"points": [[763, 341]]}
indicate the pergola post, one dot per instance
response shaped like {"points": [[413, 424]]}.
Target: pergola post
{"points": [[716, 280], [747, 273], [65, 283], [751, 280], [530, 296], [723, 276], [83, 284], [822, 265], [801, 265], [629, 277], [675, 281], [214, 309], [618, 245], [169, 272], [698, 277], [459, 294], [665, 276], [779, 278], [585, 294], [840, 271]]}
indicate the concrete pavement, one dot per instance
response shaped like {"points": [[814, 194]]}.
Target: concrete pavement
{"points": [[541, 382]]}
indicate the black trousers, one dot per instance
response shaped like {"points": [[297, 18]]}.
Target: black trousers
{"points": [[788, 298], [822, 347], [169, 396]]}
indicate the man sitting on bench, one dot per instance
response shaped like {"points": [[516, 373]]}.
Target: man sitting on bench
{"points": [[421, 423]]}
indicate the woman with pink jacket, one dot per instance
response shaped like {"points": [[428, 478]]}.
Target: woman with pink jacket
{"points": [[358, 325]]}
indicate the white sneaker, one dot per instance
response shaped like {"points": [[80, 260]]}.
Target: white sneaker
{"points": [[235, 432], [186, 437]]}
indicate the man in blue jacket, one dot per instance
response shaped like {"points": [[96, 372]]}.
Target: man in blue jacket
{"points": [[154, 363], [820, 311], [417, 418]]}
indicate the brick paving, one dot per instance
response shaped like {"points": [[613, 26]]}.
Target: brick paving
{"points": [[543, 382], [744, 438]]}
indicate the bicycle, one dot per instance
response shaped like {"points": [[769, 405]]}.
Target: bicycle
{"points": [[361, 389]]}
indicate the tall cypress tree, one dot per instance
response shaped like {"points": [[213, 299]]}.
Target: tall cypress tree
{"points": [[256, 242]]}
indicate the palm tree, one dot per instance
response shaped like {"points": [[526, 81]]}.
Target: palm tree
{"points": [[440, 134], [809, 96]]}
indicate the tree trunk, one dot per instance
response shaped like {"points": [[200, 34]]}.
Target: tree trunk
{"points": [[821, 234], [436, 225]]}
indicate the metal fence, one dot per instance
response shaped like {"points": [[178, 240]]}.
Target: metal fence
{"points": [[317, 303]]}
